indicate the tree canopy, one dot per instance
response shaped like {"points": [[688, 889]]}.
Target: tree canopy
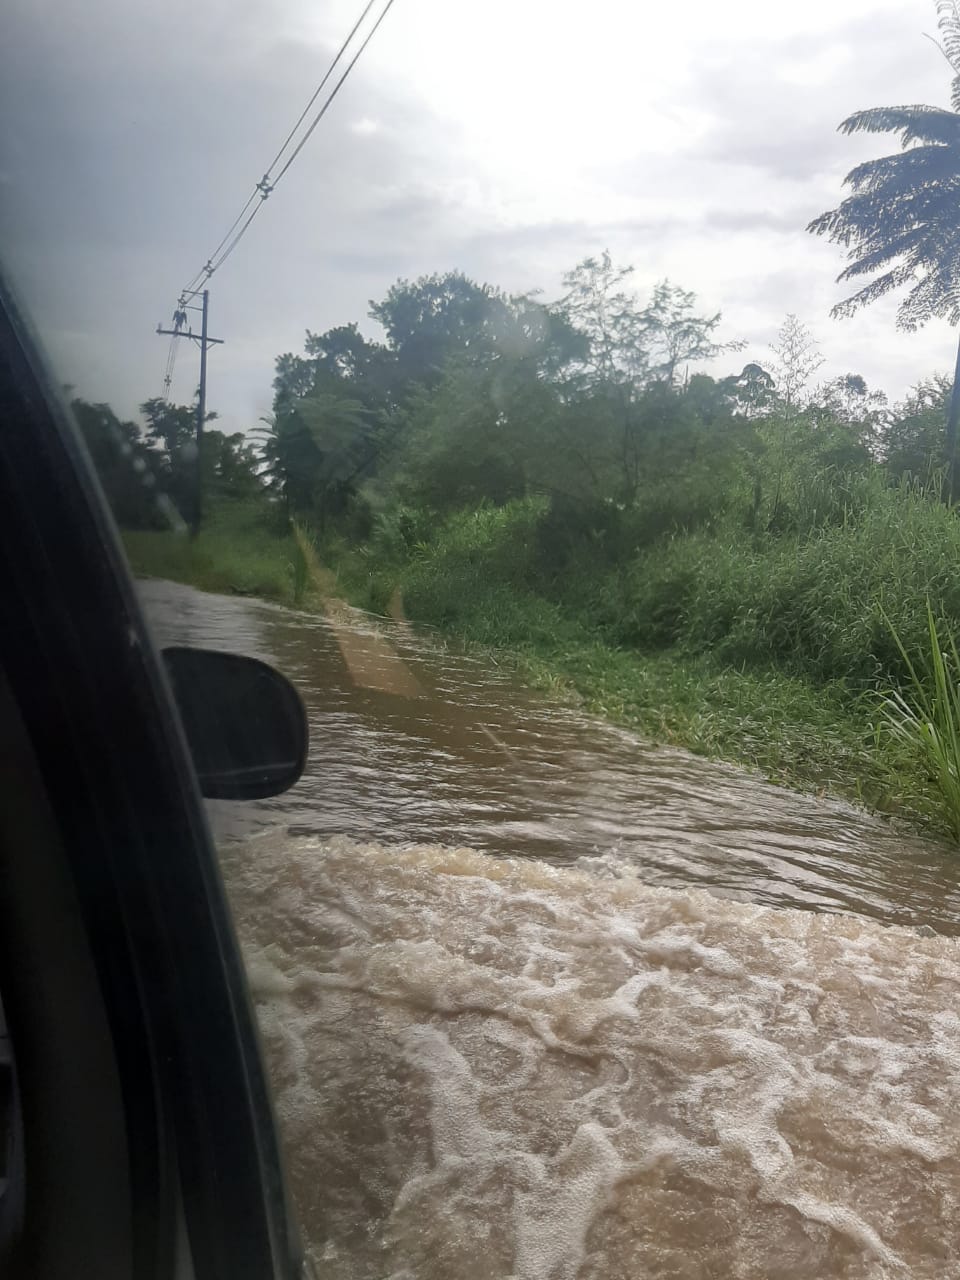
{"points": [[900, 225]]}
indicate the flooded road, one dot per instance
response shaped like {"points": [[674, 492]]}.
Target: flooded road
{"points": [[543, 1003], [466, 755]]}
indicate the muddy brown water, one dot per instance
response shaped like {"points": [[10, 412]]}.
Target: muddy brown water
{"points": [[542, 1001]]}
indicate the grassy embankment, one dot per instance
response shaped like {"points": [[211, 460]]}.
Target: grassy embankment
{"points": [[240, 550], [767, 652], [770, 652]]}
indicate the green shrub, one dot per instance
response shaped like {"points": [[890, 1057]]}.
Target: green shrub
{"points": [[925, 716], [813, 604]]}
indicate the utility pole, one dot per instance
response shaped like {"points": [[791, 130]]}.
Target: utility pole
{"points": [[201, 410], [204, 341]]}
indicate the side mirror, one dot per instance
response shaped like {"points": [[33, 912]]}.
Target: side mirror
{"points": [[245, 724]]}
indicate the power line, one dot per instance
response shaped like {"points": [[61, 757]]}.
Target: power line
{"points": [[168, 369], [178, 331], [265, 186], [336, 89], [191, 288], [303, 114]]}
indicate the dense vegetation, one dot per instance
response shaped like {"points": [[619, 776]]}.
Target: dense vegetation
{"points": [[714, 559], [754, 564]]}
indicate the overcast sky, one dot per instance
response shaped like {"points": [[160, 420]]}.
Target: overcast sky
{"points": [[507, 139]]}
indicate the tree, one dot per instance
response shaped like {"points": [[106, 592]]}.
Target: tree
{"points": [[442, 318], [429, 320], [630, 350], [464, 444], [172, 431], [126, 464], [848, 400], [229, 465], [902, 218], [611, 320], [315, 452], [673, 335], [628, 342], [493, 432], [914, 435], [340, 361], [435, 326], [752, 391], [171, 428], [797, 359]]}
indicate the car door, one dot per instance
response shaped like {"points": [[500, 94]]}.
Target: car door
{"points": [[139, 1134]]}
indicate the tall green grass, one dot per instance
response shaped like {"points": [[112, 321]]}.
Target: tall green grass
{"points": [[764, 649], [815, 605], [925, 716], [237, 551], [768, 649], [302, 540]]}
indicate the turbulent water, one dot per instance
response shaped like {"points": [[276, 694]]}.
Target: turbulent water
{"points": [[494, 1068], [604, 1040]]}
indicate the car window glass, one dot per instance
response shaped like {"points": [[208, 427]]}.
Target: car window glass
{"points": [[565, 406]]}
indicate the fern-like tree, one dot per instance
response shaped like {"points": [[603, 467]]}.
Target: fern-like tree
{"points": [[315, 452], [901, 222]]}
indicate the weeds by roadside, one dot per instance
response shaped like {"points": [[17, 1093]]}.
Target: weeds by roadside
{"points": [[924, 717], [237, 551], [765, 652]]}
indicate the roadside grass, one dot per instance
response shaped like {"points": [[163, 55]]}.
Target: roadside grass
{"points": [[729, 651], [237, 551], [301, 560], [815, 736], [925, 717]]}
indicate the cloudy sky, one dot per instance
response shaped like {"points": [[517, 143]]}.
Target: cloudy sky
{"points": [[508, 139]]}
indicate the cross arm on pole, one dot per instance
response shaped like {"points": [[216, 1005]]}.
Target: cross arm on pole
{"points": [[188, 333]]}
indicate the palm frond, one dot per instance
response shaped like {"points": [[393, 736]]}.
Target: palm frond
{"points": [[925, 164], [910, 243], [898, 209], [936, 293], [878, 288], [866, 223], [901, 221], [914, 123], [949, 23], [923, 301]]}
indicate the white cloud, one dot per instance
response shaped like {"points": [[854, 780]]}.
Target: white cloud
{"points": [[507, 140]]}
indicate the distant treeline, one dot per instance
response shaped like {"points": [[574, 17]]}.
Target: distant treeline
{"points": [[149, 472], [598, 403], [642, 489]]}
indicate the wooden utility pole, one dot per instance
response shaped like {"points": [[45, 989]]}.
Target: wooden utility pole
{"points": [[204, 341], [201, 410]]}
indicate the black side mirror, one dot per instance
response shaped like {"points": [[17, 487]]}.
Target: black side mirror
{"points": [[245, 724]]}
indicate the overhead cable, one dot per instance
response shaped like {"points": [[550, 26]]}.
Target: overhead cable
{"points": [[267, 184], [333, 93], [319, 89], [168, 369]]}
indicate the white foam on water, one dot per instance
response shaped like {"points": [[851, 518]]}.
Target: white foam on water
{"points": [[495, 1069]]}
